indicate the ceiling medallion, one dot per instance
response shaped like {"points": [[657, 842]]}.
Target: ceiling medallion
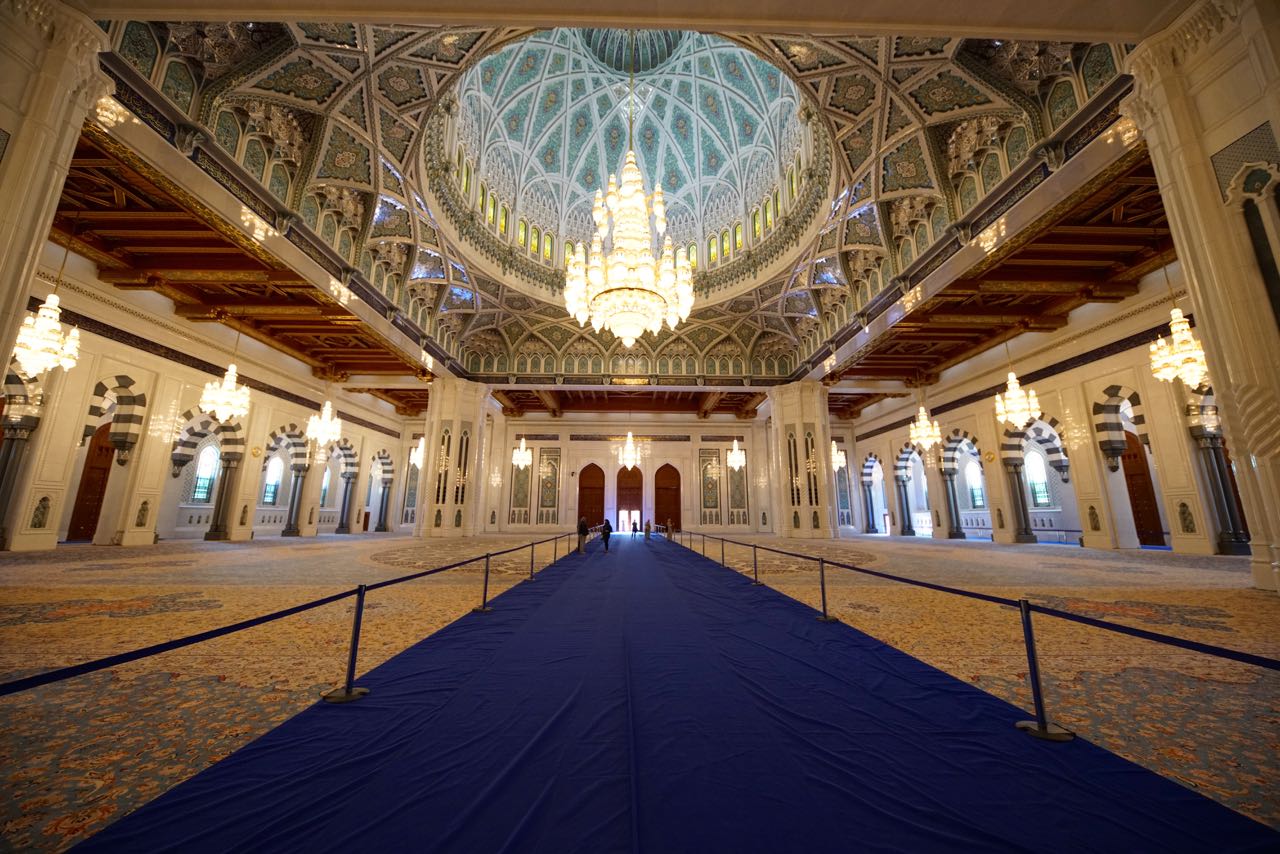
{"points": [[628, 290], [736, 457], [1181, 356], [522, 457], [41, 344]]}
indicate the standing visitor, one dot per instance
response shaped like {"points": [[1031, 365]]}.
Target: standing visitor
{"points": [[582, 535], [605, 532], [648, 529]]}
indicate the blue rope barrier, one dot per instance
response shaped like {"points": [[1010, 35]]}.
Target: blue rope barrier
{"points": [[125, 657]]}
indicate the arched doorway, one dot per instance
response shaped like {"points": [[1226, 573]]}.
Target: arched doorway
{"points": [[1142, 493], [591, 494], [874, 498], [630, 495], [913, 494], [93, 486], [666, 496]]}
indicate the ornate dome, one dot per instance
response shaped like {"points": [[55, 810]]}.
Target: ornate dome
{"points": [[545, 122]]}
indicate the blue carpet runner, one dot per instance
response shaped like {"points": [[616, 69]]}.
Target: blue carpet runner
{"points": [[648, 700]]}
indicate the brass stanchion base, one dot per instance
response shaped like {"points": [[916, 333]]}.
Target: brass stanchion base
{"points": [[340, 695], [824, 618], [1052, 732], [483, 609]]}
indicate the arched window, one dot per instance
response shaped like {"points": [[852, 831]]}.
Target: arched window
{"points": [[502, 221], [777, 206], [535, 238], [568, 251], [755, 224], [1037, 481], [206, 474], [768, 213], [737, 236], [466, 180], [547, 246], [271, 486], [791, 182], [724, 244], [711, 251], [484, 198], [493, 210], [693, 255], [973, 479], [324, 488], [522, 233]]}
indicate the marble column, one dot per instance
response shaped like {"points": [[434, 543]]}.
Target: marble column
{"points": [[12, 454], [344, 516], [955, 530], [808, 510], [49, 65], [381, 527], [870, 503], [1207, 99], [1022, 532], [1233, 539], [907, 529], [222, 502], [295, 500]]}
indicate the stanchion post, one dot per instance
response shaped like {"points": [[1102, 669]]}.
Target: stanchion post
{"points": [[484, 596], [348, 692], [532, 546], [704, 545], [722, 563], [822, 584], [755, 564], [555, 549], [1040, 727]]}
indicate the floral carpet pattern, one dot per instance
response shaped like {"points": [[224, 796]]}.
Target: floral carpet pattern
{"points": [[81, 753]]}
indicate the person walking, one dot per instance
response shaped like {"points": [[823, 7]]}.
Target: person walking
{"points": [[635, 528], [605, 532], [583, 530]]}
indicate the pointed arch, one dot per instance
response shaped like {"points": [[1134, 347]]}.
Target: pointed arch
{"points": [[1108, 423], [130, 413]]}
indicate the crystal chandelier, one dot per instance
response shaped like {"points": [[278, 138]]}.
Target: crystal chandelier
{"points": [[736, 457], [923, 432], [225, 400], [41, 344], [324, 429], [628, 290], [522, 457], [1017, 406], [838, 457], [629, 456], [1181, 356]]}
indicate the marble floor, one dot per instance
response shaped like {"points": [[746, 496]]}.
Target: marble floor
{"points": [[81, 753]]}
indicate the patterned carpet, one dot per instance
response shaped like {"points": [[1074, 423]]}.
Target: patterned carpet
{"points": [[83, 752]]}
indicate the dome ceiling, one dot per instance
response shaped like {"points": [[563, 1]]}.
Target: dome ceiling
{"points": [[546, 122]]}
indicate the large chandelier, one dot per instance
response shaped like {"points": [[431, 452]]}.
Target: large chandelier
{"points": [[324, 429], [522, 457], [629, 455], [924, 432], [838, 457], [1017, 406], [628, 290], [1181, 356], [41, 344], [736, 457], [225, 400]]}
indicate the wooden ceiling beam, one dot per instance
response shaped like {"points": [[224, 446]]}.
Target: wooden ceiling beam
{"points": [[710, 399], [550, 400], [509, 407], [748, 408]]}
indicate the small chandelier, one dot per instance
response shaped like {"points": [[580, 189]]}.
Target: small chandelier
{"points": [[225, 400], [923, 432], [629, 456], [628, 290], [736, 457], [838, 457], [1181, 356], [324, 429], [522, 457], [1016, 406], [41, 344], [418, 453]]}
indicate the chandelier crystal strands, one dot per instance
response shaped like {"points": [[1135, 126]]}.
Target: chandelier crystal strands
{"points": [[628, 290], [923, 432], [522, 457], [839, 459], [419, 453], [1180, 357], [225, 400], [736, 457], [1017, 406], [629, 455], [324, 429], [42, 345]]}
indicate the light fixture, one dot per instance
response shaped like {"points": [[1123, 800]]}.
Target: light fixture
{"points": [[629, 455], [324, 429], [1017, 406], [923, 432], [838, 457], [628, 290], [1181, 356], [225, 400], [41, 344], [418, 453], [736, 457], [522, 457]]}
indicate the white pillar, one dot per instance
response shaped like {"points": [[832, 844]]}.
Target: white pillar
{"points": [[799, 410]]}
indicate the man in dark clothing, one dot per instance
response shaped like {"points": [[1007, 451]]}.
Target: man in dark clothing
{"points": [[604, 534], [583, 530]]}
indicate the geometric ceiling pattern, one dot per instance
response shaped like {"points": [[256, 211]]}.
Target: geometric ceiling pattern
{"points": [[908, 120], [546, 122]]}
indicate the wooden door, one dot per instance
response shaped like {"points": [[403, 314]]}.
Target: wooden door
{"points": [[93, 485], [666, 496], [591, 494], [630, 491], [1142, 494]]}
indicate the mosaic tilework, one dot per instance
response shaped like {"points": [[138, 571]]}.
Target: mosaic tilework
{"points": [[1258, 145]]}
